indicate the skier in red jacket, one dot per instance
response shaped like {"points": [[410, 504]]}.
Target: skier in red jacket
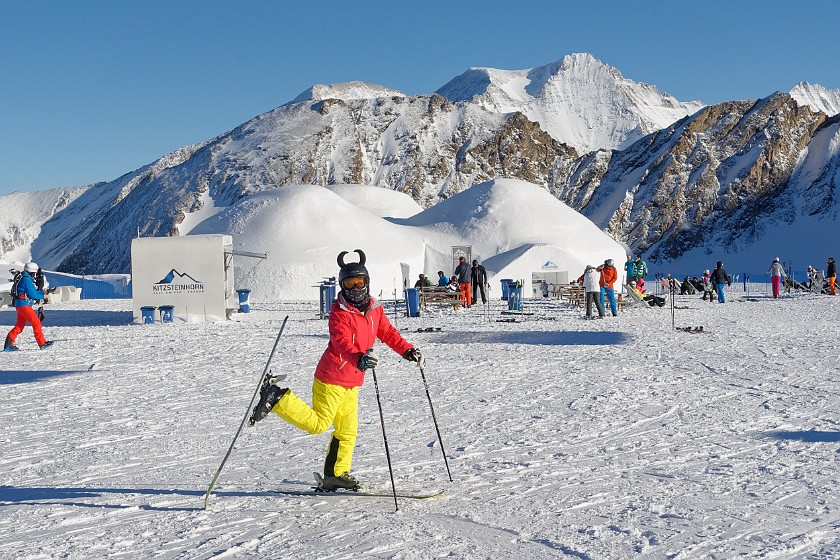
{"points": [[356, 320]]}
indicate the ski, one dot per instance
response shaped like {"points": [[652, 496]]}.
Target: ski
{"points": [[264, 378], [355, 494], [319, 490]]}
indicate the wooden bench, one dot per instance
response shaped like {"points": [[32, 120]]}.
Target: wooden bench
{"points": [[437, 294]]}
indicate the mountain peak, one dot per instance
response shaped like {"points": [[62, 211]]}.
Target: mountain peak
{"points": [[346, 91], [578, 100], [817, 97]]}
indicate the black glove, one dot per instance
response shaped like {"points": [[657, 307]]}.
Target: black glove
{"points": [[414, 355], [368, 360]]}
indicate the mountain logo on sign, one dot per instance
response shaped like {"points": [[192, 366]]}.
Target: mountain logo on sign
{"points": [[176, 282]]}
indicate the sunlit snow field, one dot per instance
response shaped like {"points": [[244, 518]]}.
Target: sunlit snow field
{"points": [[615, 438]]}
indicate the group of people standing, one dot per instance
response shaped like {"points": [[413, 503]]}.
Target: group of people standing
{"points": [[599, 282], [816, 278], [470, 281]]}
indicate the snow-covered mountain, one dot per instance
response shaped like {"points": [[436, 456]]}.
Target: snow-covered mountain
{"points": [[724, 178], [817, 97], [578, 100]]}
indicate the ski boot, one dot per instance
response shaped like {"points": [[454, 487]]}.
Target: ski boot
{"points": [[270, 394], [343, 482], [9, 346], [46, 344]]}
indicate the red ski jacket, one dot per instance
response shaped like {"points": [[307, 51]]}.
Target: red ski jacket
{"points": [[352, 333]]}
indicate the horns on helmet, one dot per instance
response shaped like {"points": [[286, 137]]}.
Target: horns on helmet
{"points": [[362, 258]]}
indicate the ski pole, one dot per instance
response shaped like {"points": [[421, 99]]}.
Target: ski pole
{"points": [[434, 419], [385, 437], [247, 414]]}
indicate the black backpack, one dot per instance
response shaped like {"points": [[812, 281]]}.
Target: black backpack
{"points": [[15, 282]]}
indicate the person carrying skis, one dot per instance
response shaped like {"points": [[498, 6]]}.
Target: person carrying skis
{"points": [[463, 274], [776, 273], [26, 294], [609, 275], [719, 278], [356, 320], [831, 275], [478, 277]]}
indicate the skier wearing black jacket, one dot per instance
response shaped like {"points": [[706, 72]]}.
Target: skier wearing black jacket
{"points": [[719, 278]]}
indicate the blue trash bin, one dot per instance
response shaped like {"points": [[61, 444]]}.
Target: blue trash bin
{"points": [[514, 296], [412, 302], [147, 313], [244, 307], [505, 291], [327, 297], [166, 315]]}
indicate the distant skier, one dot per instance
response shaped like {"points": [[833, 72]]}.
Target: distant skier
{"points": [[463, 273], [609, 275], [641, 270], [478, 278], [591, 284], [776, 273], [356, 320], [831, 275], [630, 271], [25, 295], [719, 278]]}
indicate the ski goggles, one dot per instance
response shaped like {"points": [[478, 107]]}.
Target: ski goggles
{"points": [[354, 282]]}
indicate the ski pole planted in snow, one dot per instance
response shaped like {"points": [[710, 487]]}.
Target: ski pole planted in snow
{"points": [[247, 414], [385, 437], [434, 419]]}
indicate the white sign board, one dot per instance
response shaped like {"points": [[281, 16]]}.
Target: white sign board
{"points": [[191, 273]]}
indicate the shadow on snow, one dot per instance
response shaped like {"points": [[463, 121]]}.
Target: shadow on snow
{"points": [[552, 338], [14, 377], [69, 496], [811, 436]]}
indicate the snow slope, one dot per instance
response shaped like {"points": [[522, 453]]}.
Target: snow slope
{"points": [[566, 438]]}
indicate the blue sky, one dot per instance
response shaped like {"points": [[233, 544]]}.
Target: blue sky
{"points": [[92, 89]]}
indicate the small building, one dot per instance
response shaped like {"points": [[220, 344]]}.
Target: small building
{"points": [[193, 274]]}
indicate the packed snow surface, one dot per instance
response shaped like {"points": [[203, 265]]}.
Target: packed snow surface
{"points": [[566, 438]]}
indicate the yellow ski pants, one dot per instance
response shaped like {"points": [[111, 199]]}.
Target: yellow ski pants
{"points": [[331, 405]]}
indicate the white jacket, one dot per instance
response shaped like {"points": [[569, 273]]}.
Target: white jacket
{"points": [[591, 280], [777, 270]]}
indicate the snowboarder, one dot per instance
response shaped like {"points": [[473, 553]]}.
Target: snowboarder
{"points": [[776, 273], [591, 284], [719, 278], [25, 295], [356, 320], [463, 273], [609, 275], [478, 277]]}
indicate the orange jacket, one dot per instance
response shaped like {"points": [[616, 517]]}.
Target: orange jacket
{"points": [[351, 334], [608, 276]]}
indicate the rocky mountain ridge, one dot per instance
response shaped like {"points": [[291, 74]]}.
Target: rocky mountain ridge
{"points": [[703, 180]]}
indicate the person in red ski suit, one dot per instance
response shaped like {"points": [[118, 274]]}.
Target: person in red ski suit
{"points": [[27, 294]]}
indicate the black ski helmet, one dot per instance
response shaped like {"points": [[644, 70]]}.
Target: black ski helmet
{"points": [[359, 298], [350, 270]]}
